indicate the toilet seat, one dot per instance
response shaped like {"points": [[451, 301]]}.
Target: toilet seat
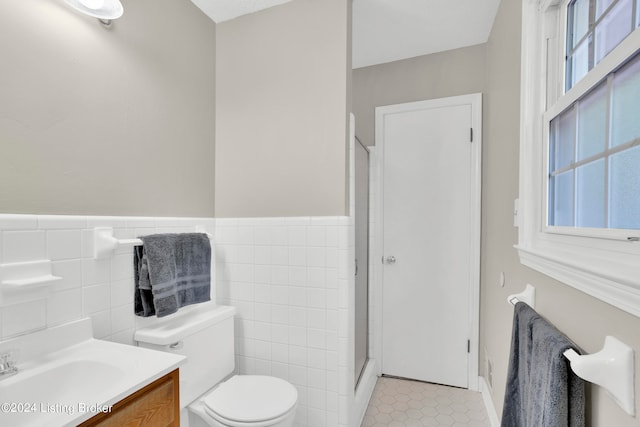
{"points": [[251, 400]]}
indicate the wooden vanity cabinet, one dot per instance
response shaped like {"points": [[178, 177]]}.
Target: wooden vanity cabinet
{"points": [[156, 405]]}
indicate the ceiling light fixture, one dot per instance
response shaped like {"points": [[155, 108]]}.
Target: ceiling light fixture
{"points": [[104, 10]]}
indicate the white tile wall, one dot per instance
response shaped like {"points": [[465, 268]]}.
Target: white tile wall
{"points": [[101, 289], [290, 279]]}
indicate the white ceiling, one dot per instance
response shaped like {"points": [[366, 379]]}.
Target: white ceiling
{"points": [[390, 30], [224, 10]]}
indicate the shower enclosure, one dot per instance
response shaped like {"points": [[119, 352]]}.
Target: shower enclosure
{"points": [[362, 258]]}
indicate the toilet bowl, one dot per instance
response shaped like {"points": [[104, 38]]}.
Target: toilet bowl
{"points": [[210, 396], [247, 401]]}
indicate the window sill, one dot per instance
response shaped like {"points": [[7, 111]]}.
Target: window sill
{"points": [[614, 279]]}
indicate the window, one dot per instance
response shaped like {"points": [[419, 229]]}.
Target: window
{"points": [[594, 156], [578, 214], [594, 28]]}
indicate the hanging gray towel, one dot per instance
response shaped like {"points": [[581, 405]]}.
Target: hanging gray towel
{"points": [[171, 271], [542, 390]]}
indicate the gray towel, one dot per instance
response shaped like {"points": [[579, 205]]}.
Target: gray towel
{"points": [[542, 390], [171, 271]]}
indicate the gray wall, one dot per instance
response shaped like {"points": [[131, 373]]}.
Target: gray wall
{"points": [[494, 69], [584, 319], [115, 121], [450, 73], [281, 111]]}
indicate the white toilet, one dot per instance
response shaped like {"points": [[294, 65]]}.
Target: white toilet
{"points": [[204, 333]]}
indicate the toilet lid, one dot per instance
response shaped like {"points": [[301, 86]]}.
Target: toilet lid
{"points": [[252, 398]]}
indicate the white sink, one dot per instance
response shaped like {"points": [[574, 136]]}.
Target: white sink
{"points": [[65, 376]]}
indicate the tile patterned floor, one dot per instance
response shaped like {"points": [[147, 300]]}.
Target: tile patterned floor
{"points": [[404, 403]]}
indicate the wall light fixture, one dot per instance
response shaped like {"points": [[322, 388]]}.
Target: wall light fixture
{"points": [[104, 10]]}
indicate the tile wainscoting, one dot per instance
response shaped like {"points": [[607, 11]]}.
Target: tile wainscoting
{"points": [[98, 288], [292, 282], [290, 278]]}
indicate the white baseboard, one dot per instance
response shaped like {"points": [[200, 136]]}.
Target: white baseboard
{"points": [[488, 403]]}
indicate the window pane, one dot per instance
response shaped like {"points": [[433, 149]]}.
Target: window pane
{"points": [[578, 64], [601, 6], [613, 28], [562, 202], [553, 141], [590, 199], [592, 123], [625, 113], [579, 18], [563, 145], [624, 189]]}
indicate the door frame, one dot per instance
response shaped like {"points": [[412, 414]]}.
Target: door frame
{"points": [[475, 100]]}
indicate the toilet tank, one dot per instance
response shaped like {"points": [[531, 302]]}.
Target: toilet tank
{"points": [[203, 333]]}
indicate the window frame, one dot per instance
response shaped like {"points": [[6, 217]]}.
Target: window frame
{"points": [[603, 263], [590, 37], [602, 233]]}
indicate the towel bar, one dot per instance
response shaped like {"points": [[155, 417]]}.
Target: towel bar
{"points": [[104, 243], [611, 368], [527, 296]]}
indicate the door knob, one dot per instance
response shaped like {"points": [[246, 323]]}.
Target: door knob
{"points": [[390, 259]]}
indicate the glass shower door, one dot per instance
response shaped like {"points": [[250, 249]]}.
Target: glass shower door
{"points": [[362, 258]]}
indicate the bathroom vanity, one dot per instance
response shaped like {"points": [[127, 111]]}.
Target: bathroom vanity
{"points": [[157, 404], [65, 377]]}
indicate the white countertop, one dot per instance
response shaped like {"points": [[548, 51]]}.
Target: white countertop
{"points": [[66, 376]]}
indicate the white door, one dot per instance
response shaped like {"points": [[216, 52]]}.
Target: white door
{"points": [[430, 238]]}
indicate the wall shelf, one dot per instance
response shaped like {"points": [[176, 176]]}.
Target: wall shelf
{"points": [[25, 281], [34, 282]]}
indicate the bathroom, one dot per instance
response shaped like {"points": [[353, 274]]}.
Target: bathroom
{"points": [[165, 121]]}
